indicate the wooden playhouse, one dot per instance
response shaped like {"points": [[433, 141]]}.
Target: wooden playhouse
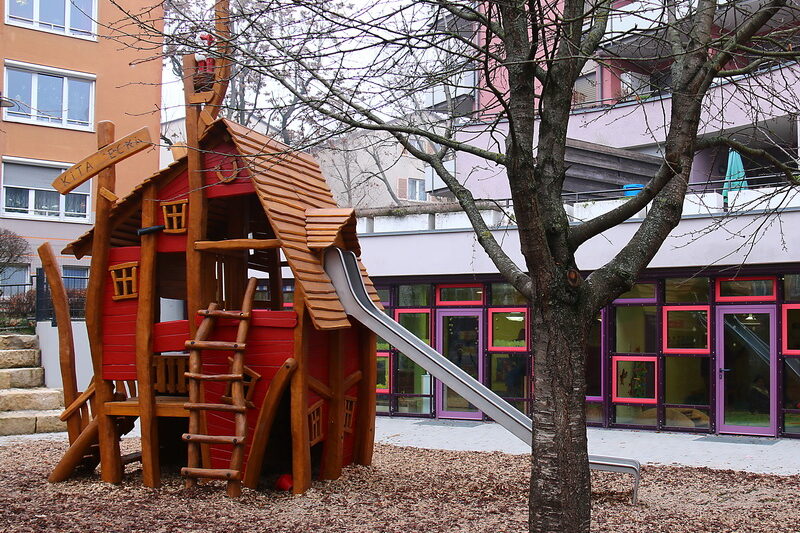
{"points": [[220, 370]]}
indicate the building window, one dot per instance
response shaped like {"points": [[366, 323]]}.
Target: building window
{"points": [[416, 190], [460, 294], [71, 17], [508, 329], [27, 192], [14, 280], [635, 379], [48, 96], [76, 277], [125, 280], [174, 216], [686, 329], [382, 384], [746, 289]]}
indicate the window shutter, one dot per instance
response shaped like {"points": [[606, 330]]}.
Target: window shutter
{"points": [[402, 187]]}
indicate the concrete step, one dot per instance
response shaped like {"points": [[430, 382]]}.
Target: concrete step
{"points": [[30, 399], [27, 422], [21, 377], [17, 342], [19, 358]]}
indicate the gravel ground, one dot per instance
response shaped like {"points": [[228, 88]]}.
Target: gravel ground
{"points": [[406, 490]]}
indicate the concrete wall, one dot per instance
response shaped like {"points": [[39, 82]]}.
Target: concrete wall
{"points": [[48, 343]]}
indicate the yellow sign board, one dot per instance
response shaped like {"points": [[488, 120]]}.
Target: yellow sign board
{"points": [[105, 157]]}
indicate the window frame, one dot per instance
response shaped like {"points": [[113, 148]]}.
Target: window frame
{"points": [[37, 25], [624, 399], [66, 75], [650, 300], [785, 350], [458, 303], [491, 347], [417, 310], [665, 329], [769, 298], [388, 357], [420, 184], [31, 214]]}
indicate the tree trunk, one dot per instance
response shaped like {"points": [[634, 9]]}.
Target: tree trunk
{"points": [[560, 498]]}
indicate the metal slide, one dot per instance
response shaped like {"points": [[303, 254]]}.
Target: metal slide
{"points": [[342, 267]]}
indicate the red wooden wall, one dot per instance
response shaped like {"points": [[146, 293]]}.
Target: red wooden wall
{"points": [[119, 322]]}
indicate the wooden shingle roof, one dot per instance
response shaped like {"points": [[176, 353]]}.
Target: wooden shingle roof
{"points": [[299, 206]]}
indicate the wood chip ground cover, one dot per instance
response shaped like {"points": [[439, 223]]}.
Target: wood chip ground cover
{"points": [[406, 490]]}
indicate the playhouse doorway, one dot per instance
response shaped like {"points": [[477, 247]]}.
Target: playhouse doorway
{"points": [[746, 370], [460, 339]]}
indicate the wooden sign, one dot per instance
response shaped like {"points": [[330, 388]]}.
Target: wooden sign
{"points": [[105, 157]]}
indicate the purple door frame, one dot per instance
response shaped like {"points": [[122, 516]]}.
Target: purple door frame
{"points": [[439, 335], [722, 310]]}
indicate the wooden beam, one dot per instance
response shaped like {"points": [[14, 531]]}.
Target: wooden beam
{"points": [[319, 387], [301, 449], [333, 448], [110, 463], [365, 408], [151, 472], [237, 244], [66, 343], [196, 264], [78, 403], [75, 453], [266, 416]]}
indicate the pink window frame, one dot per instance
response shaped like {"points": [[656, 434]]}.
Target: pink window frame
{"points": [[770, 298], [398, 312], [785, 329], [665, 326], [622, 399], [388, 356], [492, 347], [460, 302]]}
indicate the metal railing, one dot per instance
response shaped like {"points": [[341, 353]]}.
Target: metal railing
{"points": [[76, 295]]}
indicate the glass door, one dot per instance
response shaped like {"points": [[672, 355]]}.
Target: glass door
{"points": [[460, 340], [746, 370]]}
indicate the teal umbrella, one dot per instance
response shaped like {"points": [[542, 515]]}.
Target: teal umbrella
{"points": [[735, 178]]}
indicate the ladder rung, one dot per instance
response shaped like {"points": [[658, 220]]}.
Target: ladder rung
{"points": [[212, 473], [221, 313], [213, 439], [214, 407], [214, 377], [215, 345]]}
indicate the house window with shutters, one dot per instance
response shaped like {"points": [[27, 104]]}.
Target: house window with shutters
{"points": [[174, 216], [315, 423], [125, 280]]}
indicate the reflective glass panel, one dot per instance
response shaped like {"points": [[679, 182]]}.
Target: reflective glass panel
{"points": [[417, 323], [506, 294], [50, 97], [687, 417], [686, 380], [791, 423], [52, 12], [78, 102], [509, 329], [635, 415], [461, 294], [686, 290], [382, 382], [635, 379], [640, 290], [746, 369], [746, 288], [19, 90], [594, 413], [791, 383], [594, 357], [791, 287], [413, 295], [414, 405], [80, 15], [411, 378], [636, 329], [382, 403], [508, 374]]}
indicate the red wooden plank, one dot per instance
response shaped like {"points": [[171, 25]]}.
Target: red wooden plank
{"points": [[123, 254], [123, 372], [166, 243]]}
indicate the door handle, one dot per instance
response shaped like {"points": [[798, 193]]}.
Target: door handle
{"points": [[723, 371]]}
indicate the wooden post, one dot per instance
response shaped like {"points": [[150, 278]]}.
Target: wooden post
{"points": [[301, 450], [275, 280], [334, 440], [66, 344], [151, 473], [198, 297], [110, 463], [365, 407]]}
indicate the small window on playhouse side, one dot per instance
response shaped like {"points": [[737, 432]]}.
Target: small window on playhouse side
{"points": [[315, 423], [349, 413], [174, 216], [125, 279]]}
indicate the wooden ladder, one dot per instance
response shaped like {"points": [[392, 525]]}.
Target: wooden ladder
{"points": [[237, 405]]}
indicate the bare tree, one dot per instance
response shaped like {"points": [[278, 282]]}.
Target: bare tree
{"points": [[521, 60], [13, 250]]}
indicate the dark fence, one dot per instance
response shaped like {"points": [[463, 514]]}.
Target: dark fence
{"points": [[76, 295]]}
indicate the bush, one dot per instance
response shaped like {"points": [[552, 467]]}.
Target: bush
{"points": [[22, 305]]}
